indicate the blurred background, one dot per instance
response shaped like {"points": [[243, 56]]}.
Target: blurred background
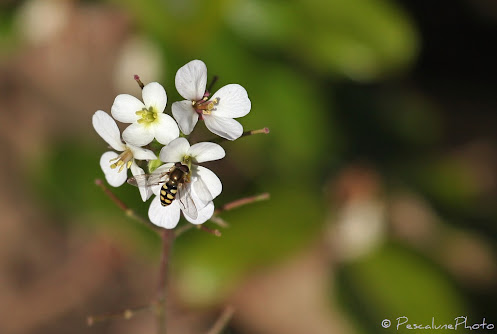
{"points": [[381, 164]]}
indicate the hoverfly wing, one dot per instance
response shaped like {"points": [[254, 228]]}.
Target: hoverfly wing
{"points": [[186, 202], [203, 193], [148, 180]]}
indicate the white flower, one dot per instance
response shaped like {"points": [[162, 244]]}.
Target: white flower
{"points": [[231, 101], [205, 184], [148, 118], [115, 165], [168, 216]]}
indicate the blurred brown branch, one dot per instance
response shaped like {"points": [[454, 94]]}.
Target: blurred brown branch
{"points": [[222, 321], [129, 212]]}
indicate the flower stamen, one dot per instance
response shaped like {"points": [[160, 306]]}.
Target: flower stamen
{"points": [[125, 159], [204, 106], [147, 115]]}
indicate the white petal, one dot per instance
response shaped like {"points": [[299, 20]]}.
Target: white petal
{"points": [[206, 151], [203, 215], [164, 216], [175, 150], [185, 115], [138, 134], [225, 127], [145, 192], [206, 179], [165, 129], [107, 128], [113, 176], [154, 95], [191, 80], [233, 102], [142, 153], [125, 107]]}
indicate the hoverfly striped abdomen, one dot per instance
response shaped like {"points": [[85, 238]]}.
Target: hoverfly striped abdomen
{"points": [[168, 193], [178, 176]]}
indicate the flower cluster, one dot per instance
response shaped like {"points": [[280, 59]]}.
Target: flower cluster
{"points": [[179, 182]]}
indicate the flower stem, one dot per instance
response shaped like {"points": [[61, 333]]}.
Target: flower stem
{"points": [[218, 220], [211, 85], [125, 314], [167, 242], [255, 132], [246, 133], [129, 212], [242, 202], [138, 81], [222, 321], [214, 232]]}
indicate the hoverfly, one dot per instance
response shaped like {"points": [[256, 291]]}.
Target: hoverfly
{"points": [[176, 185]]}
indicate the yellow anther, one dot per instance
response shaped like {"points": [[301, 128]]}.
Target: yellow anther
{"points": [[125, 159], [205, 106]]}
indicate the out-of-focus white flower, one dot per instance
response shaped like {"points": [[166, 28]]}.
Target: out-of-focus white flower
{"points": [[231, 101], [40, 21], [147, 117], [205, 184], [360, 228], [115, 165], [137, 55]]}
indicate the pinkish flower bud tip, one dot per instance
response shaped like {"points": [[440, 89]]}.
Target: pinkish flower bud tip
{"points": [[138, 81]]}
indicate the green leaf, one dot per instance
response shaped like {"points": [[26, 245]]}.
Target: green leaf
{"points": [[396, 282], [360, 39]]}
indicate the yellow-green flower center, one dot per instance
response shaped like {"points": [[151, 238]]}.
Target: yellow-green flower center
{"points": [[187, 160], [147, 116], [125, 159]]}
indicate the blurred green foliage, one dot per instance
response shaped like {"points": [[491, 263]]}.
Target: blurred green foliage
{"points": [[395, 282]]}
